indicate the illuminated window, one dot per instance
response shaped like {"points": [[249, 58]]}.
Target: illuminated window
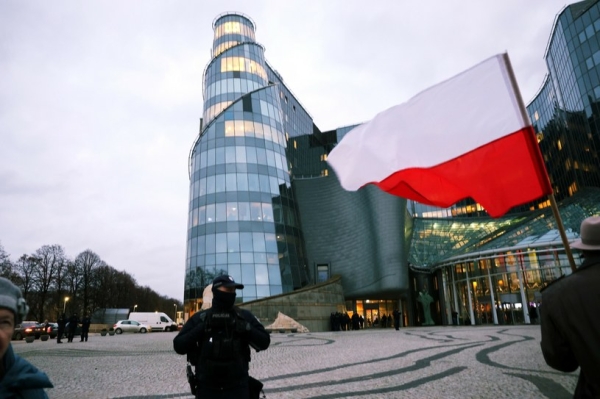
{"points": [[539, 136], [242, 64], [224, 46], [229, 28], [573, 188], [322, 272], [229, 129]]}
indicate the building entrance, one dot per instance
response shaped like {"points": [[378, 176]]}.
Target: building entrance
{"points": [[371, 315]]}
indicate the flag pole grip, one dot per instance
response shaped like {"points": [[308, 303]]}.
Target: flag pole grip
{"points": [[561, 230]]}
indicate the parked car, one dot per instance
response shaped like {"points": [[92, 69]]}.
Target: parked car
{"points": [[52, 330], [157, 321], [122, 326], [27, 329]]}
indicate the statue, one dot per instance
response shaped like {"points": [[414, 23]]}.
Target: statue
{"points": [[426, 300]]}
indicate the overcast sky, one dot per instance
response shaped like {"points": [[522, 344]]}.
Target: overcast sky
{"points": [[100, 101]]}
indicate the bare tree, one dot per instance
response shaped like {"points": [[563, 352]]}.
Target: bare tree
{"points": [[72, 280], [126, 288], [6, 266], [49, 259], [59, 288], [48, 276], [25, 269], [86, 262], [102, 288]]}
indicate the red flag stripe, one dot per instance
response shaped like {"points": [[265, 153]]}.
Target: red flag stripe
{"points": [[499, 175]]}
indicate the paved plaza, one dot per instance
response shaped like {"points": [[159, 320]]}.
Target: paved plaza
{"points": [[418, 362]]}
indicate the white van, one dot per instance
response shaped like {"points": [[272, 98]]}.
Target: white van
{"points": [[157, 321]]}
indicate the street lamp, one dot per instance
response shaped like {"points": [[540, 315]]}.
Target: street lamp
{"points": [[65, 304], [134, 307], [175, 312]]}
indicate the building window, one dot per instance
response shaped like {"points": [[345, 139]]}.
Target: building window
{"points": [[322, 272]]}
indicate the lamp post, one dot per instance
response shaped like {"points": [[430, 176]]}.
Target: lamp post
{"points": [[134, 307], [175, 312], [65, 304]]}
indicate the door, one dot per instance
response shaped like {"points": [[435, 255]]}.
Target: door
{"points": [[372, 316]]}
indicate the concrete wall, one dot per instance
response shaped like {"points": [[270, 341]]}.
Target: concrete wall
{"points": [[310, 306]]}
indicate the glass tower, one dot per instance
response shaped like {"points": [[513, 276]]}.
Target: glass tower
{"points": [[565, 113], [242, 217]]}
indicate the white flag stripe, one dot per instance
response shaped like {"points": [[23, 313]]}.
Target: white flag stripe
{"points": [[441, 123]]}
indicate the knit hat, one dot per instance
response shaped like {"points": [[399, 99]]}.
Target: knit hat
{"points": [[12, 299]]}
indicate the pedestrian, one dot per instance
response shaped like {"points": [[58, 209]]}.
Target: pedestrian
{"points": [[18, 377], [347, 322], [355, 321], [217, 342], [454, 314], [533, 314], [73, 322], [62, 322], [396, 315], [85, 328], [569, 316]]}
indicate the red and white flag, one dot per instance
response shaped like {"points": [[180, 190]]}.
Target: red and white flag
{"points": [[465, 137]]}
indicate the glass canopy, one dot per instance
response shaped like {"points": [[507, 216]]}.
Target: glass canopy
{"points": [[435, 241]]}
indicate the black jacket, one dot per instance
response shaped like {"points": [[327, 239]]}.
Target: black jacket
{"points": [[570, 322], [186, 342]]}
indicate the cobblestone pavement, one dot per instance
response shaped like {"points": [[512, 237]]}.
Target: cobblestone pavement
{"points": [[423, 362]]}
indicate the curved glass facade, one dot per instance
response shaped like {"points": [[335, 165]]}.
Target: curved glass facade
{"points": [[258, 172], [242, 216], [492, 270], [565, 112]]}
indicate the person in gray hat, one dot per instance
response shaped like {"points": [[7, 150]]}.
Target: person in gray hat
{"points": [[570, 316], [18, 377]]}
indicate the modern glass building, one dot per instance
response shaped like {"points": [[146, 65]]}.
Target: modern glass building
{"points": [[491, 270], [265, 207], [243, 219]]}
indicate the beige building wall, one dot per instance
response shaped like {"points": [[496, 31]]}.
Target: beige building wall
{"points": [[309, 306]]}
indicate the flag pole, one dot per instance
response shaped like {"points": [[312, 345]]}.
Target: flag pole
{"points": [[561, 229], [553, 204]]}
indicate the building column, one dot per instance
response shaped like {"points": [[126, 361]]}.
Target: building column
{"points": [[456, 308], [494, 315], [446, 297], [471, 314]]}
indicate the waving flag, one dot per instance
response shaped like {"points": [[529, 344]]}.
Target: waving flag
{"points": [[466, 137]]}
